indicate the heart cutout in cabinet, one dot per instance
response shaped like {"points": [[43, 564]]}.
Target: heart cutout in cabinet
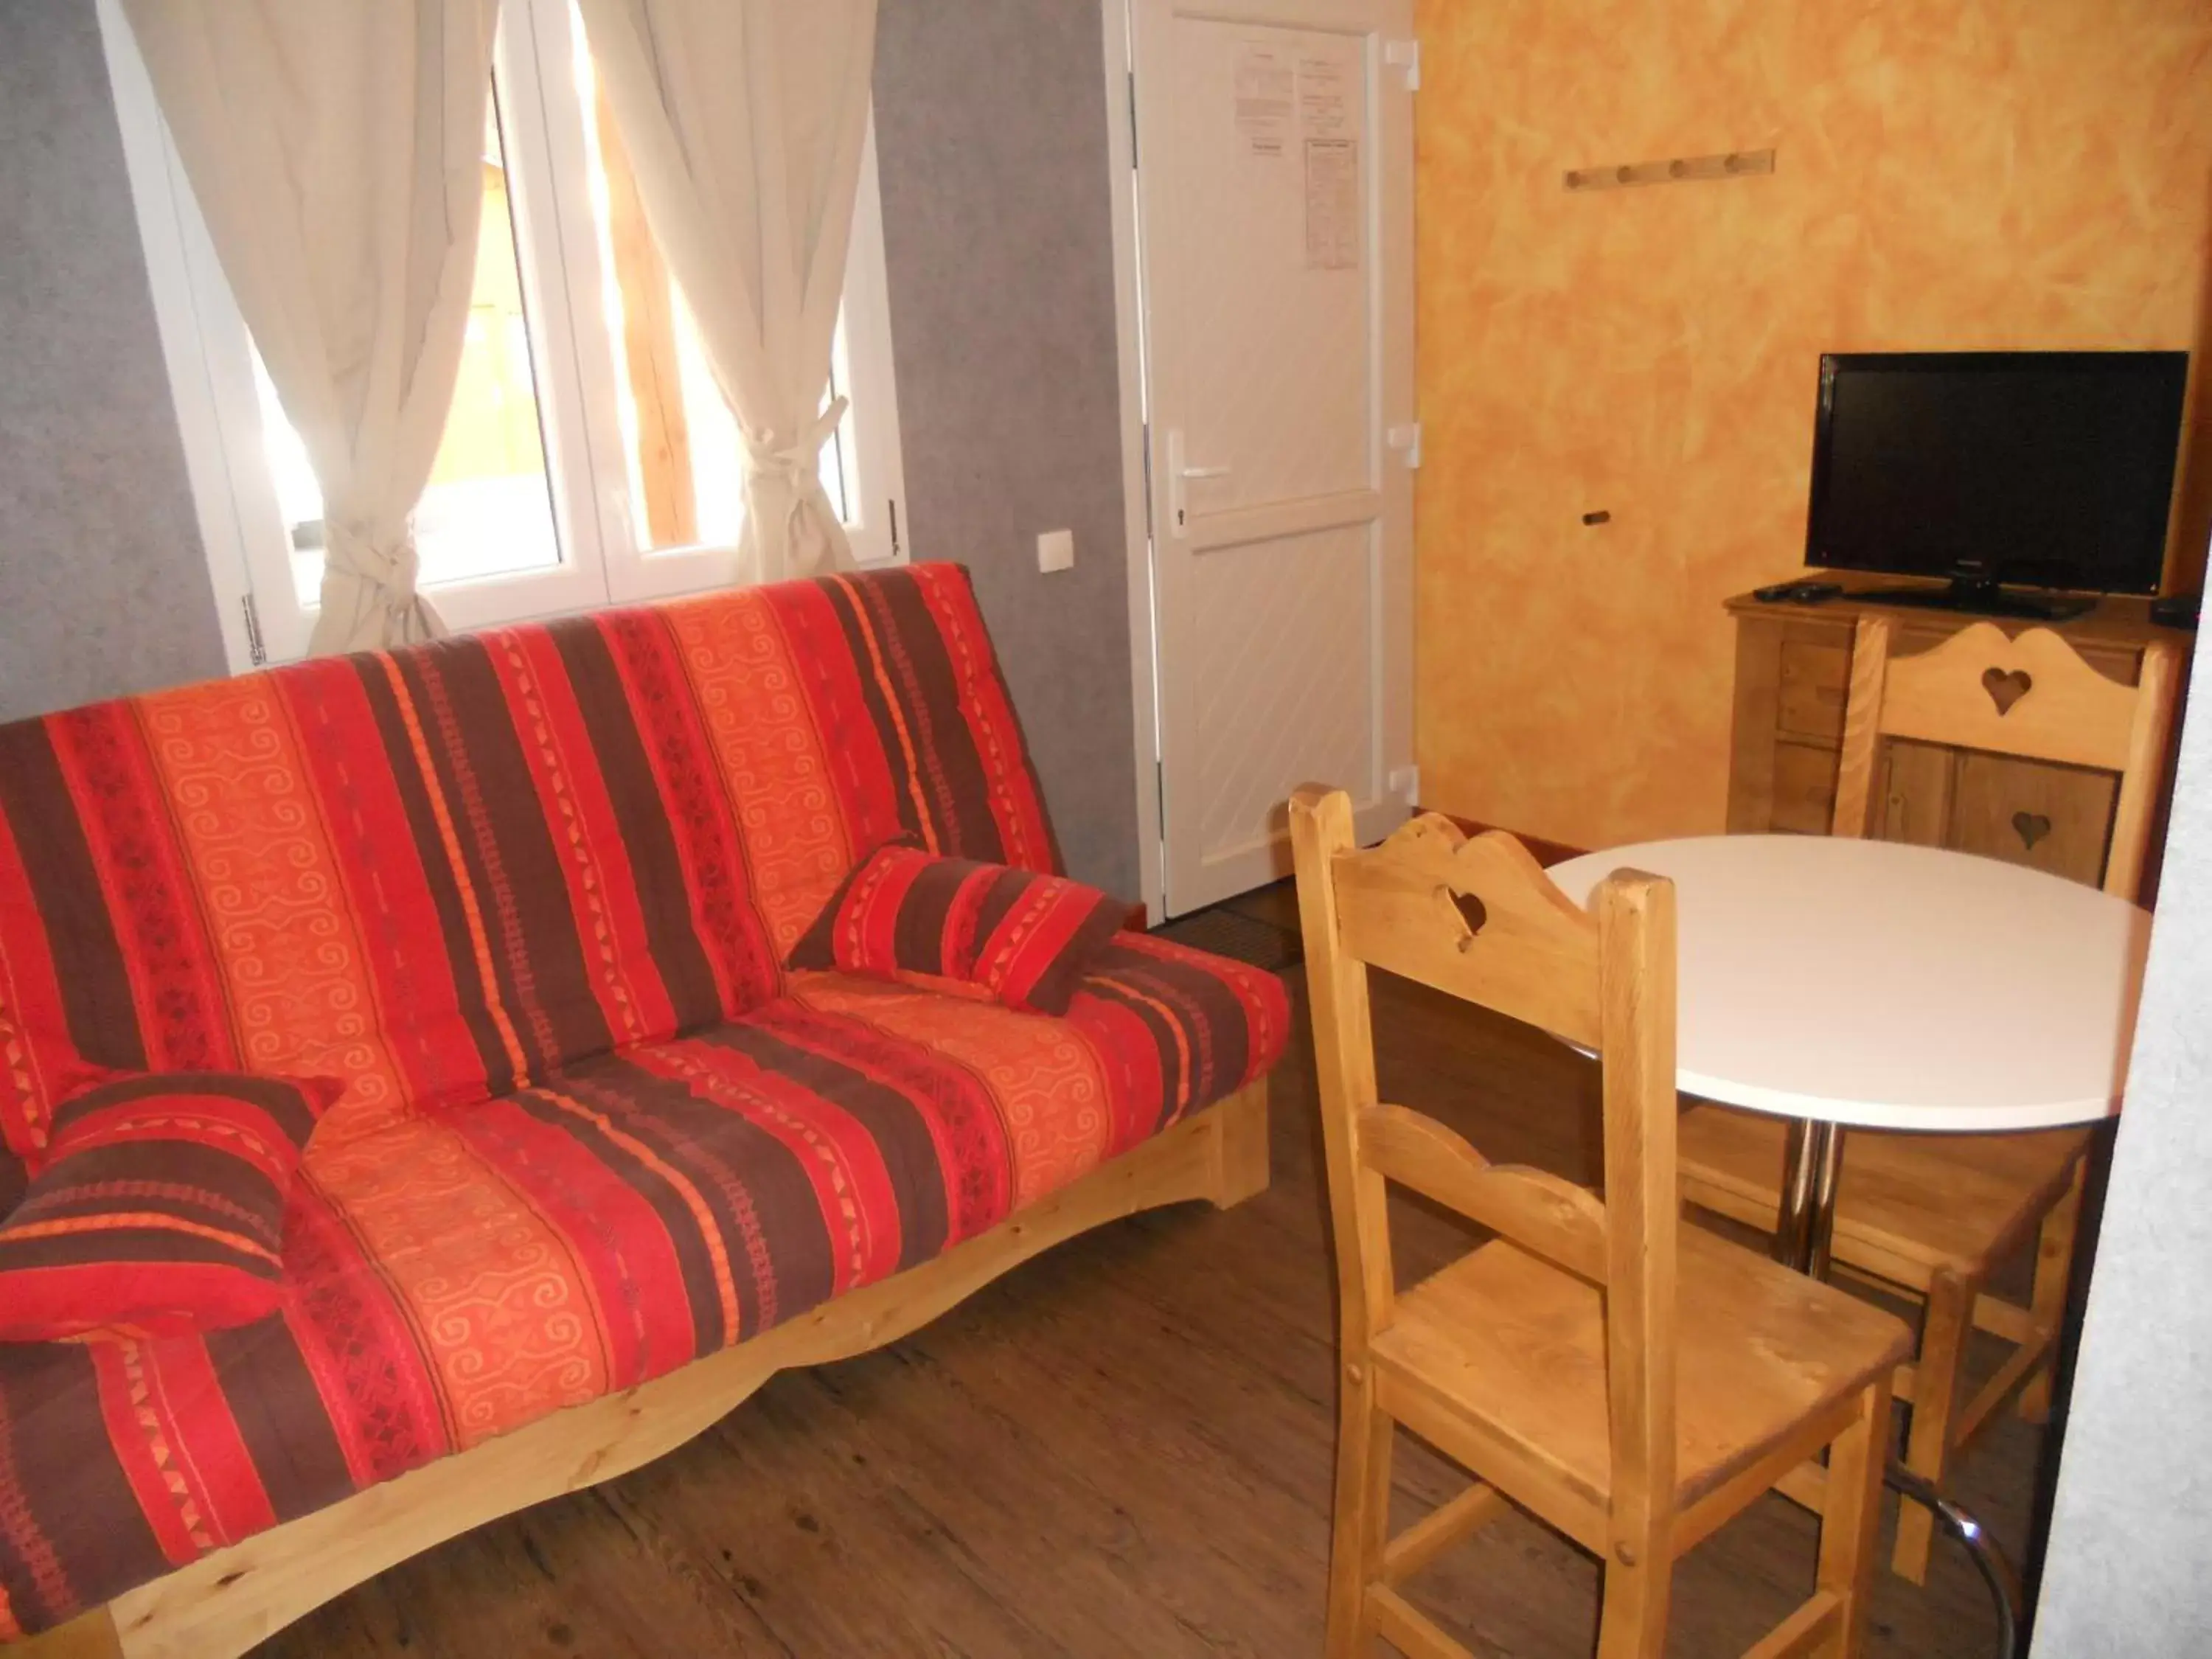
{"points": [[2006, 689], [2031, 827]]}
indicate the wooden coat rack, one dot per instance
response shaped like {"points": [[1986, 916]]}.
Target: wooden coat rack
{"points": [[1730, 164]]}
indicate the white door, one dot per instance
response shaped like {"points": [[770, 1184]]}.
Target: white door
{"points": [[1274, 188]]}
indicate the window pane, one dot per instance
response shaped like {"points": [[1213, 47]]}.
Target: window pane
{"points": [[487, 510], [716, 483], [836, 474], [679, 437]]}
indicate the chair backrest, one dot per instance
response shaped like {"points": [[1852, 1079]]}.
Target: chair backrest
{"points": [[1479, 919], [2031, 697]]}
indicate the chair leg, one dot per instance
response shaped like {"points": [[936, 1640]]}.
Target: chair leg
{"points": [[2054, 1266], [1362, 1523], [1949, 1317], [1633, 1624], [1847, 1525], [89, 1636]]}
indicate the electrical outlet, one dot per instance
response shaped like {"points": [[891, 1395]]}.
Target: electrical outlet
{"points": [[1056, 550]]}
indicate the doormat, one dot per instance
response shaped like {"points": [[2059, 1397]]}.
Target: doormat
{"points": [[1231, 933]]}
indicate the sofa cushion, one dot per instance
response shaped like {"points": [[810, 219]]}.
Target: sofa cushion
{"points": [[1024, 938], [456, 1276], [447, 871], [158, 1207], [855, 710]]}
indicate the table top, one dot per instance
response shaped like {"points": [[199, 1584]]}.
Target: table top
{"points": [[2121, 621], [1883, 986]]}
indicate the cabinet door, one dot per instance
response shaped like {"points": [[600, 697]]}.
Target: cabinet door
{"points": [[1917, 782], [2057, 818]]}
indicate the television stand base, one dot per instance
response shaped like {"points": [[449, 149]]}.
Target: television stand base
{"points": [[1982, 598]]}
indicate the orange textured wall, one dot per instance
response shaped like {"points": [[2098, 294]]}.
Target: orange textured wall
{"points": [[1953, 174]]}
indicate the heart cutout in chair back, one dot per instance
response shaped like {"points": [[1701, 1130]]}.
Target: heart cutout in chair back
{"points": [[2031, 827], [2006, 689], [1472, 912]]}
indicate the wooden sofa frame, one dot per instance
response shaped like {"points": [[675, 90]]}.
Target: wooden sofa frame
{"points": [[223, 1604]]}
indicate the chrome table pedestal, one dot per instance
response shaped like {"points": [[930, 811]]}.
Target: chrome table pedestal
{"points": [[1840, 983], [1812, 1161]]}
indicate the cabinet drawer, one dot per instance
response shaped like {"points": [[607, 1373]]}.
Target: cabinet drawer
{"points": [[1815, 679], [2057, 818], [1804, 789]]}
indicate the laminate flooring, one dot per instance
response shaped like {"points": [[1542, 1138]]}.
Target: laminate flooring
{"points": [[1121, 1449]]}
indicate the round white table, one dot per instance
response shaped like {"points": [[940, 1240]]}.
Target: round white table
{"points": [[1845, 983], [1886, 987]]}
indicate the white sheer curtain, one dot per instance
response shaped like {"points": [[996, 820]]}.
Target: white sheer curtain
{"points": [[336, 147], [744, 121]]}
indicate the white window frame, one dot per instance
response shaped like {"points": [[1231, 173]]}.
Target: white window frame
{"points": [[208, 354]]}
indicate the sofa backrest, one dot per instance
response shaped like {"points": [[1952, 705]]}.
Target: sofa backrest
{"points": [[442, 872]]}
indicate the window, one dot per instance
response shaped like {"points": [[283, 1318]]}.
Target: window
{"points": [[589, 457]]}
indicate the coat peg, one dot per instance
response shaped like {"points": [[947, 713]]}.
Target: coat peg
{"points": [[1728, 164]]}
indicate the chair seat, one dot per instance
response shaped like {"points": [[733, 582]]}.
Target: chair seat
{"points": [[1906, 1205], [1517, 1347]]}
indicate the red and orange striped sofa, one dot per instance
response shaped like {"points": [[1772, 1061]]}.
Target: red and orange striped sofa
{"points": [[528, 893]]}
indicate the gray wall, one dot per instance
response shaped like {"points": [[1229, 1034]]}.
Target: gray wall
{"points": [[2128, 1572], [998, 223], [103, 588]]}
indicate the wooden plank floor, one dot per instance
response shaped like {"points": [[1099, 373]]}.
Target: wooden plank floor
{"points": [[1122, 1448]]}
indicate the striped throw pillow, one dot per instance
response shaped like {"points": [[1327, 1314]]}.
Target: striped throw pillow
{"points": [[1025, 938], [158, 1206]]}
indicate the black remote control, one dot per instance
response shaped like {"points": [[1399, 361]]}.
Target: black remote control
{"points": [[2176, 610], [1797, 592]]}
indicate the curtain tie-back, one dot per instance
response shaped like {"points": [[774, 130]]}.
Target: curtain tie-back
{"points": [[383, 607], [369, 598], [798, 467], [388, 563]]}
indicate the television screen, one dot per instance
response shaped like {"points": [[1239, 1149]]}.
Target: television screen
{"points": [[2050, 468]]}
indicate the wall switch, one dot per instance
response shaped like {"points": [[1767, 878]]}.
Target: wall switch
{"points": [[1056, 550]]}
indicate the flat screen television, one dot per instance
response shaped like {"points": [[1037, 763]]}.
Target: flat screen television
{"points": [[2044, 469]]}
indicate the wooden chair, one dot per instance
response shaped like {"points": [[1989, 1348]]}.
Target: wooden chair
{"points": [[1934, 1216], [1632, 1384]]}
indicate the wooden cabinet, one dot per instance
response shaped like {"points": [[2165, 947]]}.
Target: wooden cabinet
{"points": [[1792, 667]]}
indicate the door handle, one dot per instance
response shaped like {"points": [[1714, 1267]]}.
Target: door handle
{"points": [[1178, 475]]}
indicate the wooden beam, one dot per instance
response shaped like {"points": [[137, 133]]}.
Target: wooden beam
{"points": [[1407, 1629], [656, 382], [1815, 1622], [1438, 1530]]}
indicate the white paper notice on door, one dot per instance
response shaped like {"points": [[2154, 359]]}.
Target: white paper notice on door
{"points": [[1332, 226], [1267, 100], [1324, 103]]}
